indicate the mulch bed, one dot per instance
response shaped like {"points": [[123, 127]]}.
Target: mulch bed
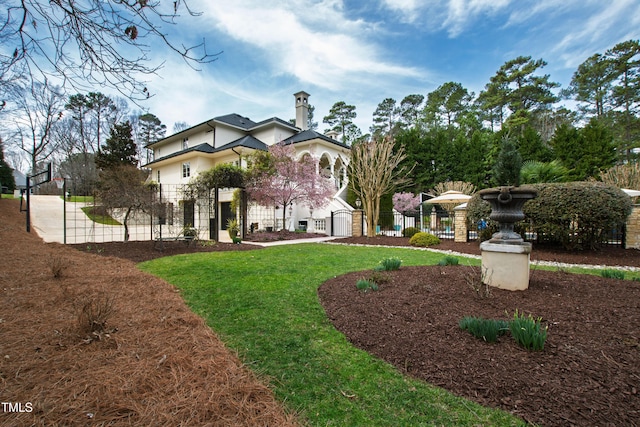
{"points": [[156, 363], [587, 374], [149, 361]]}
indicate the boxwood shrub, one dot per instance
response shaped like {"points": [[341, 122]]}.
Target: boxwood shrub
{"points": [[424, 239], [577, 215]]}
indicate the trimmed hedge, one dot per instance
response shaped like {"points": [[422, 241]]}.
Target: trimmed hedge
{"points": [[424, 239], [574, 215], [577, 215]]}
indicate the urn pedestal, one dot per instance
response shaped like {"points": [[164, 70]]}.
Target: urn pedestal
{"points": [[506, 256]]}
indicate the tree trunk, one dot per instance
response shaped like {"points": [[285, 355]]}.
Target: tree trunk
{"points": [[126, 226]]}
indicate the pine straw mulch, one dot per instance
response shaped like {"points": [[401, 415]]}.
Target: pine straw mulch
{"points": [[145, 360], [587, 374]]}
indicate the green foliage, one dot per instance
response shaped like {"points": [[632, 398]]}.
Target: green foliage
{"points": [[535, 172], [585, 152], [6, 173], [527, 331], [221, 176], [424, 239], [506, 170], [389, 264], [610, 273], [120, 148], [577, 215], [488, 330], [449, 260], [410, 231], [366, 285]]}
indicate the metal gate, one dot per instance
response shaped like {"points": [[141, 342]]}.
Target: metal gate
{"points": [[341, 223]]}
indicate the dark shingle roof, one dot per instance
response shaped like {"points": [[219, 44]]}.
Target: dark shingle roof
{"points": [[246, 141], [307, 135], [236, 120], [201, 148]]}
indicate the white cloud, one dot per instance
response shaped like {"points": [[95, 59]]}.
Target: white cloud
{"points": [[317, 44], [462, 13]]}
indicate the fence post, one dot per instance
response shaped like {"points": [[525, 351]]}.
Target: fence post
{"points": [[460, 224], [356, 223], [632, 232]]}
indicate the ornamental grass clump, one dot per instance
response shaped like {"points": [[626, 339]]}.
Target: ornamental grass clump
{"points": [[486, 329], [366, 285], [527, 331], [424, 239], [610, 273], [389, 264], [448, 260]]}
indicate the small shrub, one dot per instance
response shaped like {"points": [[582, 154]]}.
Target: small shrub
{"points": [[487, 329], [389, 264], [610, 273], [366, 285], [527, 331], [94, 314], [448, 260], [57, 265], [422, 239], [410, 232], [378, 277], [478, 282]]}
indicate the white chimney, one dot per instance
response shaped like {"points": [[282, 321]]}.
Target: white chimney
{"points": [[302, 110]]}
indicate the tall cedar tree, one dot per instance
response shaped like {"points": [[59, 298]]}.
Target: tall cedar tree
{"points": [[6, 173], [506, 170], [120, 149]]}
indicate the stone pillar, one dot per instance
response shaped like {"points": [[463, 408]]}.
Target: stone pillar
{"points": [[633, 229], [460, 224], [356, 223]]}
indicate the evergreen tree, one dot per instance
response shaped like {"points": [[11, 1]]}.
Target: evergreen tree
{"points": [[506, 170], [6, 173], [341, 118], [120, 149]]}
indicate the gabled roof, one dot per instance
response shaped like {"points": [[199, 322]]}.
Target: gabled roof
{"points": [[236, 120], [307, 135], [246, 141]]}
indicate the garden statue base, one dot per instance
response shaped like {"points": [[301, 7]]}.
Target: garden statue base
{"points": [[506, 265]]}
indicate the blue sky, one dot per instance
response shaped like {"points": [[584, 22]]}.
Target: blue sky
{"points": [[362, 52]]}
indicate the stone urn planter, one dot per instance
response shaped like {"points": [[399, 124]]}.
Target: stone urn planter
{"points": [[506, 209], [506, 256]]}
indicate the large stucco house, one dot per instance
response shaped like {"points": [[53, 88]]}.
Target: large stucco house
{"points": [[178, 158]]}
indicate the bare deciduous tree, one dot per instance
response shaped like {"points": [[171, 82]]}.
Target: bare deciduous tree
{"points": [[102, 43], [39, 109], [373, 172]]}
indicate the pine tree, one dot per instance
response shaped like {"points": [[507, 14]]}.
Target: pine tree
{"points": [[120, 149]]}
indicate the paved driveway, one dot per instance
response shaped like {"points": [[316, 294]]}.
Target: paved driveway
{"points": [[48, 221]]}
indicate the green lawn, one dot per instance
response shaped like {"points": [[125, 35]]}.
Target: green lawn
{"points": [[80, 199], [264, 305], [98, 217]]}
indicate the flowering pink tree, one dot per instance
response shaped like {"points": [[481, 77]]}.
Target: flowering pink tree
{"points": [[406, 202], [279, 179]]}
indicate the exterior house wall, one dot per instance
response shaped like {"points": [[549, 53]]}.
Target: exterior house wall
{"points": [[225, 135], [273, 135]]}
